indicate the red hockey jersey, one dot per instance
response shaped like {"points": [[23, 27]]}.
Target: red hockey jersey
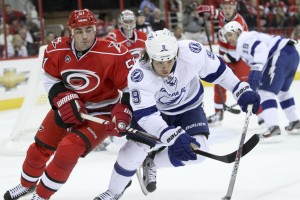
{"points": [[96, 76], [135, 45]]}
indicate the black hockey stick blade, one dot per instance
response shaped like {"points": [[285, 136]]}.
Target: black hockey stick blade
{"points": [[232, 110], [230, 158]]}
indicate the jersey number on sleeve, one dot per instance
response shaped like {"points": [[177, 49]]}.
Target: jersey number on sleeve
{"points": [[135, 95]]}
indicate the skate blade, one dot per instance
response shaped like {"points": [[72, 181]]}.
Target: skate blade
{"points": [[215, 124], [141, 181], [294, 132], [270, 140]]}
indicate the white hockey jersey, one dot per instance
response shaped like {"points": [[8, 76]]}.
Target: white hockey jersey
{"points": [[256, 48], [182, 90]]}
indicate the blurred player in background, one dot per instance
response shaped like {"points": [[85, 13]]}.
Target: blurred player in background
{"points": [[227, 13], [274, 61], [82, 74], [127, 35]]}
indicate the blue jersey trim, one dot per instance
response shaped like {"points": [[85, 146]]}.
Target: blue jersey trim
{"points": [[274, 48], [213, 76], [287, 103], [138, 114], [195, 99], [256, 43]]}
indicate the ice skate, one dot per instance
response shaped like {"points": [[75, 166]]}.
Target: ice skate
{"points": [[37, 197], [108, 195], [216, 119], [148, 174], [17, 192], [272, 135], [293, 128]]}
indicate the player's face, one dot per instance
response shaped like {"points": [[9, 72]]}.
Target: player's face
{"points": [[128, 27], [231, 37], [229, 11], [84, 37], [163, 68]]}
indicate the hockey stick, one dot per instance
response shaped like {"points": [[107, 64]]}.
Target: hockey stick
{"points": [[225, 107], [129, 129], [238, 155], [229, 158]]}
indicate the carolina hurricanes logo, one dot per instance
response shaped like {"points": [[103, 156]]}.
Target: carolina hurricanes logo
{"points": [[81, 81]]}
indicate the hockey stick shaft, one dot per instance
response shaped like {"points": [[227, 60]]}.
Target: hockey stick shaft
{"points": [[129, 129], [238, 155], [225, 107], [251, 143]]}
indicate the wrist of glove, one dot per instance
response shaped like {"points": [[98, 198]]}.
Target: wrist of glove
{"points": [[254, 79], [121, 118], [181, 149], [69, 107], [245, 96]]}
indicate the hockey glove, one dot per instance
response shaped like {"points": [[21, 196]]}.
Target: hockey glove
{"points": [[254, 79], [181, 149], [245, 96], [206, 10], [179, 143], [121, 118], [67, 104]]}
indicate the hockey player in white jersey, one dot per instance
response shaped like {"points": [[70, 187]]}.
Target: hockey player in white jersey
{"points": [[274, 61], [166, 97]]}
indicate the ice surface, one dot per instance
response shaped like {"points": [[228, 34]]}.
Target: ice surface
{"points": [[269, 172]]}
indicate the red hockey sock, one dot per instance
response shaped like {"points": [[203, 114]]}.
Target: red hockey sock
{"points": [[59, 169], [34, 164]]}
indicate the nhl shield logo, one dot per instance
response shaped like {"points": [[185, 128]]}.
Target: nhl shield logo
{"points": [[67, 58]]}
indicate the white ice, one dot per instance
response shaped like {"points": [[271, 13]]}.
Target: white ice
{"points": [[268, 172]]}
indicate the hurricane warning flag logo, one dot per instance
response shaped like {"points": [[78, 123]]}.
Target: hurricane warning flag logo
{"points": [[81, 81]]}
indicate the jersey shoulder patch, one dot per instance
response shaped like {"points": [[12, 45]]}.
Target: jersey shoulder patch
{"points": [[195, 47], [137, 75]]}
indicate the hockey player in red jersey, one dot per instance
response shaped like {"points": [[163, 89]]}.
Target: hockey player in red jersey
{"points": [[81, 74], [127, 35], [227, 13]]}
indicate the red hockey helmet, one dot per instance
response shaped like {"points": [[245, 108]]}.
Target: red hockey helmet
{"points": [[230, 2], [79, 18]]}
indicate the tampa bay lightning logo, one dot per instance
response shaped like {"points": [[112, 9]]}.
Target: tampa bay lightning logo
{"points": [[195, 47], [81, 81], [137, 75], [172, 81]]}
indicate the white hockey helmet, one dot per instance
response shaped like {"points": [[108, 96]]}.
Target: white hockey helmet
{"points": [[127, 21], [161, 45], [232, 26]]}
